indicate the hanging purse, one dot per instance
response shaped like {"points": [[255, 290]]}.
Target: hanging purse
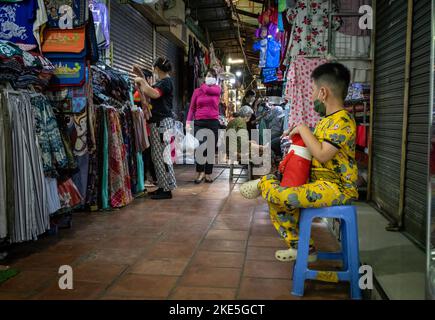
{"points": [[66, 49], [69, 100]]}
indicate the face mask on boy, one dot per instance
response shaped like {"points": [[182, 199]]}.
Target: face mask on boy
{"points": [[210, 81], [320, 107]]}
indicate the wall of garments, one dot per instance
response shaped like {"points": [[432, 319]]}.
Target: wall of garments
{"points": [[72, 136]]}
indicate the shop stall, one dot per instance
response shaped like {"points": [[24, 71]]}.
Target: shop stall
{"points": [[72, 135]]}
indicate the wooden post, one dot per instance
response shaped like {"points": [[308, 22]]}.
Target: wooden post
{"points": [[405, 113]]}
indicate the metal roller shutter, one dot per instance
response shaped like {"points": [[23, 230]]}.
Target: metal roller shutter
{"points": [[418, 124], [165, 48], [388, 104], [132, 37]]}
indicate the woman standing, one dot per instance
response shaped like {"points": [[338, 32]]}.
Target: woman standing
{"points": [[204, 109], [161, 95]]}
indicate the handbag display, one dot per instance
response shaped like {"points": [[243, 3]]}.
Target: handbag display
{"points": [[70, 100], [68, 43]]}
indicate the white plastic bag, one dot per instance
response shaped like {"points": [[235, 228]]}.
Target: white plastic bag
{"points": [[190, 142], [185, 149]]}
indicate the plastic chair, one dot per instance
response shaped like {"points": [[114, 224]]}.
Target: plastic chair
{"points": [[349, 243]]}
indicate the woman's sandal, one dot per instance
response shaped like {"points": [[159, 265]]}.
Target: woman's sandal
{"points": [[291, 255], [198, 181]]}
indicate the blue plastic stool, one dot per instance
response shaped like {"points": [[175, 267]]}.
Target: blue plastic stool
{"points": [[349, 243]]}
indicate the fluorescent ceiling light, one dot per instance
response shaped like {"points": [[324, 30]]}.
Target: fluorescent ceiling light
{"points": [[235, 61], [238, 73]]}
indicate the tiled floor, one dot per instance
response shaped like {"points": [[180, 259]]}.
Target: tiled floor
{"points": [[206, 243]]}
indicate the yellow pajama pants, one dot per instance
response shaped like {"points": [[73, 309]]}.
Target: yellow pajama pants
{"points": [[285, 203]]}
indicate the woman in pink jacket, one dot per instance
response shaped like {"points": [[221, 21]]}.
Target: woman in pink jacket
{"points": [[204, 109]]}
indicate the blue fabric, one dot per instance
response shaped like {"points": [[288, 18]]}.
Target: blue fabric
{"points": [[16, 21], [80, 179], [273, 53], [269, 75], [101, 21], [280, 23], [105, 173], [140, 186], [262, 47], [69, 72], [286, 116]]}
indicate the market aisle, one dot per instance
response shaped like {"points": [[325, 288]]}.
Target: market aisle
{"points": [[206, 243]]}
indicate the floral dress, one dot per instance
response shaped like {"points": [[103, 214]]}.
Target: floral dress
{"points": [[310, 23]]}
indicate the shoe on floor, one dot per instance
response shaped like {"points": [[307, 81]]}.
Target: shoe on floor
{"points": [[149, 184], [198, 181], [291, 254], [162, 195], [155, 192]]}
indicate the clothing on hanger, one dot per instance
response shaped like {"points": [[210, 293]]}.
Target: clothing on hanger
{"points": [[298, 91], [309, 33]]}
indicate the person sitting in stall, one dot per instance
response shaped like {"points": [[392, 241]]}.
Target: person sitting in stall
{"points": [[248, 100], [239, 124], [273, 119], [334, 170]]}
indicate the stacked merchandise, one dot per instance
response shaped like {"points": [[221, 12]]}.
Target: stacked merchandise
{"points": [[36, 154], [71, 45], [358, 103], [70, 134], [32, 149]]}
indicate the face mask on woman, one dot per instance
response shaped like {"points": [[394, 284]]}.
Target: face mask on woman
{"points": [[210, 81]]}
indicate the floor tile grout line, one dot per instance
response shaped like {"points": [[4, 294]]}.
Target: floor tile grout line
{"points": [[172, 292], [246, 254]]}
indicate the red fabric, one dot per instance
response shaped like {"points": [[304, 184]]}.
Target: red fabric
{"points": [[361, 136], [160, 92], [69, 195], [270, 15], [207, 58], [295, 169], [136, 96]]}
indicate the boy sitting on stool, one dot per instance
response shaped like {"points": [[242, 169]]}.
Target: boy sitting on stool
{"points": [[333, 170]]}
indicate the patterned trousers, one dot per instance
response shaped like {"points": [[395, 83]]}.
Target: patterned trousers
{"points": [[161, 154], [285, 203]]}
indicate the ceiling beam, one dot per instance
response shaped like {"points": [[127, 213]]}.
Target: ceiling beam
{"points": [[205, 20], [247, 13], [209, 8], [246, 25]]}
